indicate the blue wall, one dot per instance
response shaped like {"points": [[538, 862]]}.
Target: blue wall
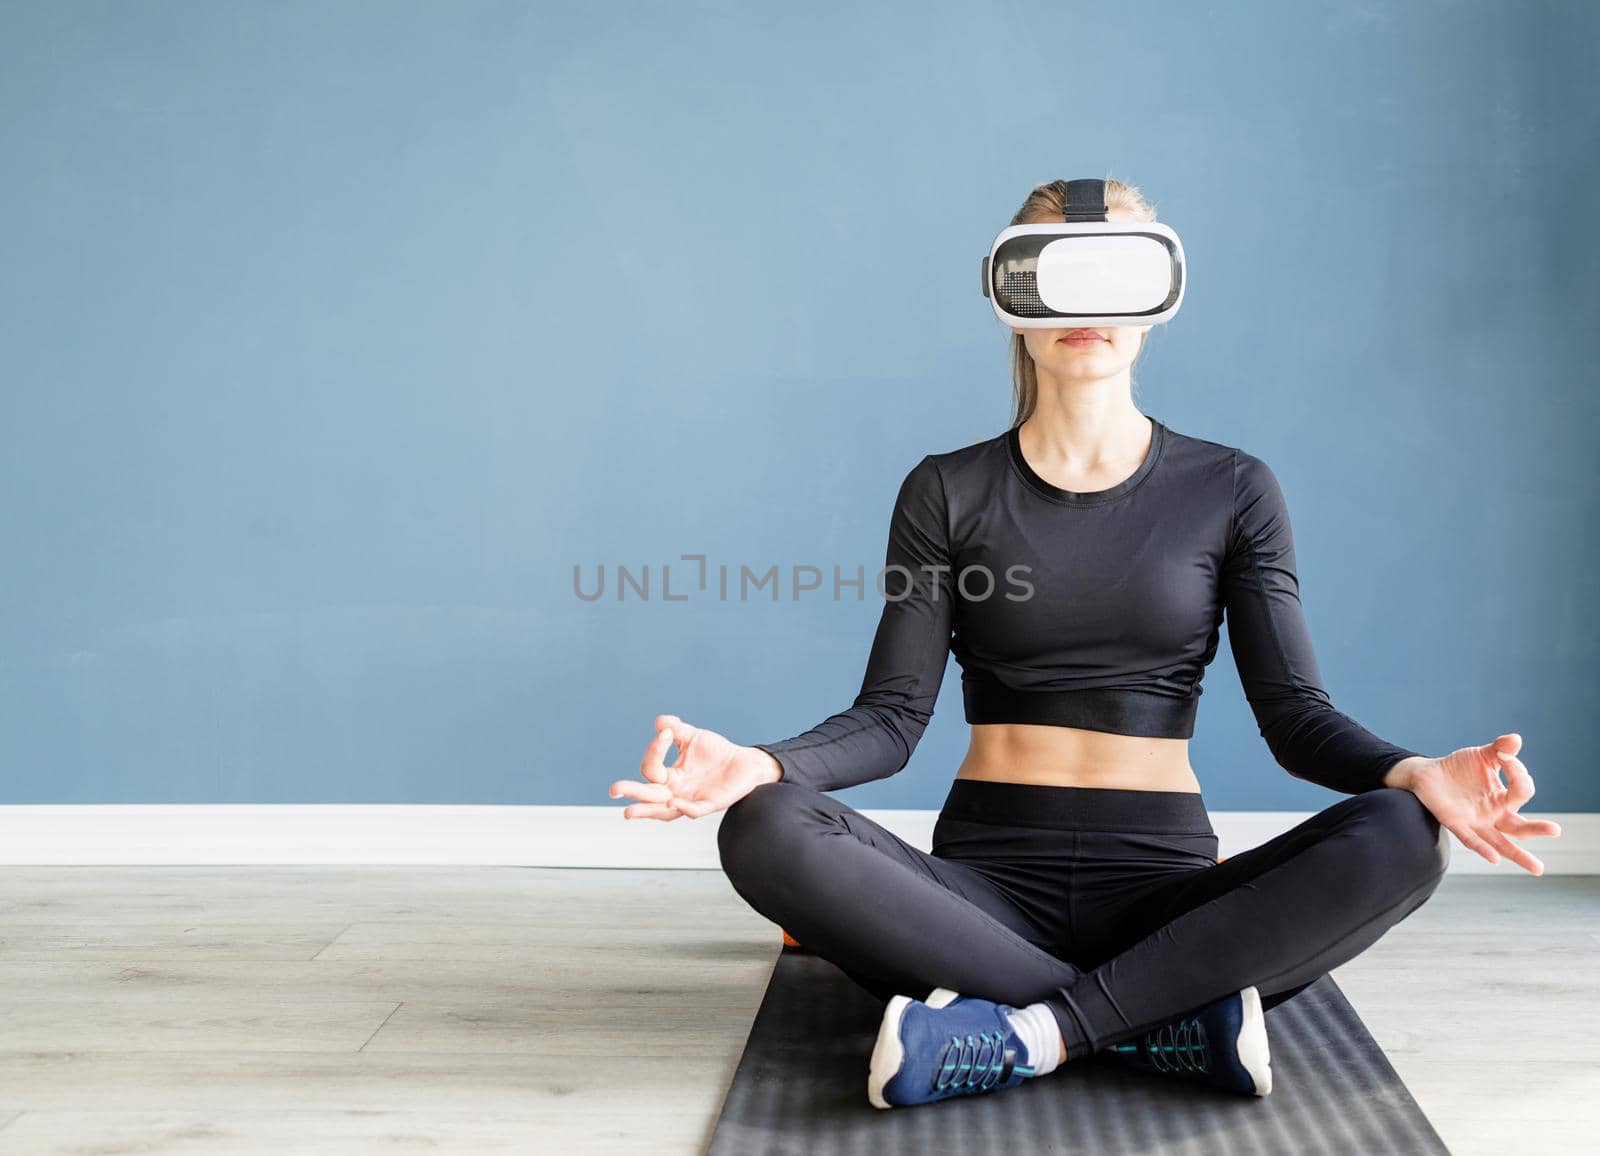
{"points": [[332, 337]]}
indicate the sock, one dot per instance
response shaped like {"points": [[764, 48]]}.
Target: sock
{"points": [[1040, 1035]]}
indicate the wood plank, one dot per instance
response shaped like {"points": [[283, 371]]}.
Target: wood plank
{"points": [[121, 893], [343, 1133], [192, 1025], [686, 941], [639, 973], [166, 940], [574, 1027], [512, 1084]]}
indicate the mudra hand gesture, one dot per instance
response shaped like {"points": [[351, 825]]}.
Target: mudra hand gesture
{"points": [[1464, 792], [711, 773]]}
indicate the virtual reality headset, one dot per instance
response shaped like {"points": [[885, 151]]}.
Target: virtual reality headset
{"points": [[1086, 271]]}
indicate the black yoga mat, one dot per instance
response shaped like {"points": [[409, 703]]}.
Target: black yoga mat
{"points": [[801, 1090]]}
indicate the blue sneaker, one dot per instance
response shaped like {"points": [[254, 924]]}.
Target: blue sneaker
{"points": [[1223, 1044], [949, 1045]]}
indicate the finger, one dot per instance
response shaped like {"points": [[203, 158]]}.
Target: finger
{"points": [[667, 720], [1497, 752], [652, 767], [663, 811], [682, 733], [1490, 754], [648, 792], [693, 808], [1519, 782], [1472, 842], [685, 734], [1521, 856], [1521, 826]]}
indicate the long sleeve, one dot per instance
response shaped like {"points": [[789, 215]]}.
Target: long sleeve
{"points": [[1272, 647], [875, 737]]}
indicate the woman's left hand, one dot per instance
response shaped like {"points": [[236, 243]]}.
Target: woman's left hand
{"points": [[1464, 792]]}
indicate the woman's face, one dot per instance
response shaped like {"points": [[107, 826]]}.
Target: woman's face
{"points": [[1085, 354]]}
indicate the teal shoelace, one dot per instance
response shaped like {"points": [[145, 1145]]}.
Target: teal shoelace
{"points": [[1175, 1047], [975, 1063]]}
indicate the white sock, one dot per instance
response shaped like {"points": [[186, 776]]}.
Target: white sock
{"points": [[1040, 1034]]}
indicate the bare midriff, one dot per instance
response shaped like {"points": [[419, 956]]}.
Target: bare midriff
{"points": [[1056, 756]]}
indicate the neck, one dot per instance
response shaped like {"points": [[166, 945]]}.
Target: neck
{"points": [[1082, 426]]}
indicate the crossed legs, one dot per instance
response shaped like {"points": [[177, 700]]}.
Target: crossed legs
{"points": [[899, 920]]}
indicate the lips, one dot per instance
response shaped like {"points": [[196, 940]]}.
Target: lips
{"points": [[1083, 335]]}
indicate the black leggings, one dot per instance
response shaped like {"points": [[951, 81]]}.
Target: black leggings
{"points": [[1107, 905]]}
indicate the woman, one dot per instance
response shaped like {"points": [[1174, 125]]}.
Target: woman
{"points": [[1079, 566]]}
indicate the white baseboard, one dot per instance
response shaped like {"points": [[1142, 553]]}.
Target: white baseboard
{"points": [[419, 835]]}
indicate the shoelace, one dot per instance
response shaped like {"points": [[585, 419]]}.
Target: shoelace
{"points": [[1178, 1047], [975, 1063]]}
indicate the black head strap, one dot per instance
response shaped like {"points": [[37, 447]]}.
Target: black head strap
{"points": [[1086, 201]]}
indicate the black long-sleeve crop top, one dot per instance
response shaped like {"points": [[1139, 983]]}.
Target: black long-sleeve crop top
{"points": [[1098, 610]]}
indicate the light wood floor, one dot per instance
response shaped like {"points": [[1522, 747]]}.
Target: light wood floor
{"points": [[535, 1010]]}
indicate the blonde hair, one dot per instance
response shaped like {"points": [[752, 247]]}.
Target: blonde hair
{"points": [[1046, 204]]}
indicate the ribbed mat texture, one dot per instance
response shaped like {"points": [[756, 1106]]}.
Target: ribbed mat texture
{"points": [[800, 1090]]}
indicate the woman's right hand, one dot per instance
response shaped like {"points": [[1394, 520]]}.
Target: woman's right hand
{"points": [[711, 773]]}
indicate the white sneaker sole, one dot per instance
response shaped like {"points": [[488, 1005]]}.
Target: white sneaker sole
{"points": [[1252, 1042], [888, 1053]]}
